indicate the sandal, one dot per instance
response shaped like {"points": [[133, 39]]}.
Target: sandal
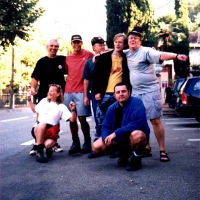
{"points": [[164, 156]]}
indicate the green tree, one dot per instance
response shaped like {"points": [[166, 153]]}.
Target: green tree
{"points": [[182, 46], [118, 18], [124, 15], [16, 19]]}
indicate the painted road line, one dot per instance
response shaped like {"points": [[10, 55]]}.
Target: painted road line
{"points": [[181, 123], [187, 129], [176, 119], [194, 140], [30, 142], [14, 119]]}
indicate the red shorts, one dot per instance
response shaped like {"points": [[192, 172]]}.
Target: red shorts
{"points": [[52, 132]]}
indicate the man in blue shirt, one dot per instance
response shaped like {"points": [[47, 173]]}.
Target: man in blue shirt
{"points": [[126, 127]]}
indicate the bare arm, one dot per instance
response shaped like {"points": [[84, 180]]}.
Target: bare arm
{"points": [[86, 86], [31, 104], [73, 110], [34, 84], [173, 56]]}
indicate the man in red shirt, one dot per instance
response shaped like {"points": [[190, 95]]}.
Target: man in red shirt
{"points": [[74, 91]]}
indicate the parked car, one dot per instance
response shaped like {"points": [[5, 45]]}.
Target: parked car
{"points": [[171, 95], [188, 102]]}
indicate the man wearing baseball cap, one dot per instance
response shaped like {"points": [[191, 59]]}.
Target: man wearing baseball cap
{"points": [[145, 84], [98, 46], [74, 91]]}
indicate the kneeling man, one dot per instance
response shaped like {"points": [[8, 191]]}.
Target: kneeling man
{"points": [[125, 127]]}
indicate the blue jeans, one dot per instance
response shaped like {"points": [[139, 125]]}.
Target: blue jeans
{"points": [[102, 107]]}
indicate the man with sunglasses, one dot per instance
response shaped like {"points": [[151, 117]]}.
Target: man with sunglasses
{"points": [[74, 91], [48, 70]]}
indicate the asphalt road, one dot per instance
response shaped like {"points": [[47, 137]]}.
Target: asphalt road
{"points": [[77, 177]]}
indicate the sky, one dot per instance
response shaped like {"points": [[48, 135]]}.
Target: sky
{"points": [[68, 17], [84, 17]]}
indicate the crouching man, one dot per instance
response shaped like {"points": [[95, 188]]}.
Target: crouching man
{"points": [[50, 111], [125, 127]]}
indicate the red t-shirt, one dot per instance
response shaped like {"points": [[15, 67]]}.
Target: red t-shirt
{"points": [[75, 63]]}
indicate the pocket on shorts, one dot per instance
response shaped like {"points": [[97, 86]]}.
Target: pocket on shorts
{"points": [[157, 102]]}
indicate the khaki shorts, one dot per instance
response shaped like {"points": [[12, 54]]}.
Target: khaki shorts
{"points": [[152, 103]]}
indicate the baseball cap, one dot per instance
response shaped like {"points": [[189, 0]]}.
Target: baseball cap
{"points": [[76, 38], [97, 40], [134, 32]]}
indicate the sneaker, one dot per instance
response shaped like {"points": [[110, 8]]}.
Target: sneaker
{"points": [[57, 148], [94, 155], [40, 157], [75, 148], [122, 162], [134, 163], [33, 150], [86, 148], [49, 152]]}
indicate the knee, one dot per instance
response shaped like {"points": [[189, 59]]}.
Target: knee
{"points": [[137, 137], [49, 143]]}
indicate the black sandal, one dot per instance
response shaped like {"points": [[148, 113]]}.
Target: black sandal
{"points": [[164, 156]]}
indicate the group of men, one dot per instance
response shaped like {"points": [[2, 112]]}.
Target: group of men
{"points": [[124, 91]]}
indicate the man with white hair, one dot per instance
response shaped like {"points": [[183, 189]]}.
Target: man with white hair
{"points": [[48, 70]]}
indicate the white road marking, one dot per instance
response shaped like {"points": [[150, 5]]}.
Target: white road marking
{"points": [[181, 123], [194, 140], [176, 119], [30, 142], [14, 119], [186, 129]]}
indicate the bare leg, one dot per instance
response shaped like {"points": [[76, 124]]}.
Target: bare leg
{"points": [[159, 133]]}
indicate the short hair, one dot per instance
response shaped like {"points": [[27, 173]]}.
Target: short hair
{"points": [[119, 35], [121, 84], [54, 40]]}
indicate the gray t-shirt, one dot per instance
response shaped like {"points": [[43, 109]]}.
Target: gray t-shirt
{"points": [[142, 71]]}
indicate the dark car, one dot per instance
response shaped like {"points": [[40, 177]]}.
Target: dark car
{"points": [[188, 102], [171, 95]]}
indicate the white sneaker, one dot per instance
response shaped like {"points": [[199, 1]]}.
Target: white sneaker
{"points": [[33, 150], [57, 148]]}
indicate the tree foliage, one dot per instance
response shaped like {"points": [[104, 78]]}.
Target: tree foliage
{"points": [[118, 18], [16, 19]]}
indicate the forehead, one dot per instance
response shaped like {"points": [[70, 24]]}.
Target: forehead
{"points": [[53, 42], [52, 88], [120, 87], [121, 38]]}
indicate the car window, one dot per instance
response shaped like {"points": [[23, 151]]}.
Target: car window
{"points": [[197, 86]]}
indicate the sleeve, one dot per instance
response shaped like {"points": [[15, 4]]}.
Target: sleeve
{"points": [[86, 70], [107, 128], [40, 105], [37, 71], [153, 56], [66, 114], [62, 60], [137, 120]]}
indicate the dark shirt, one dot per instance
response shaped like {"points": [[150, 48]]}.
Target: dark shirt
{"points": [[49, 71]]}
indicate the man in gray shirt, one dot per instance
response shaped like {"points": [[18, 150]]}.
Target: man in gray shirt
{"points": [[145, 84]]}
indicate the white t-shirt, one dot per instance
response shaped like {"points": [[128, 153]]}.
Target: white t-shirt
{"points": [[51, 112]]}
